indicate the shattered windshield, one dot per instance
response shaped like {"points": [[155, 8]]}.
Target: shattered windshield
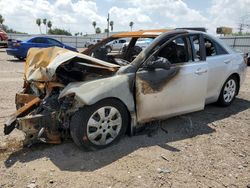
{"points": [[121, 51]]}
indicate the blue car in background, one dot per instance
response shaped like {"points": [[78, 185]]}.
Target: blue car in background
{"points": [[19, 49]]}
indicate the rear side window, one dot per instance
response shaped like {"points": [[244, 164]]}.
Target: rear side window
{"points": [[220, 50], [54, 42], [39, 40], [122, 41], [213, 48]]}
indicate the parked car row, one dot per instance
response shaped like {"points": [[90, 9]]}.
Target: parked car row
{"points": [[19, 49]]}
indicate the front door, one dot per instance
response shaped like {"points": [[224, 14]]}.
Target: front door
{"points": [[162, 93]]}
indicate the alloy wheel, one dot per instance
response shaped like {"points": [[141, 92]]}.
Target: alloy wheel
{"points": [[104, 125]]}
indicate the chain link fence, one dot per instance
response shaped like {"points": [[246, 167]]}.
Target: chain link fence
{"points": [[240, 43]]}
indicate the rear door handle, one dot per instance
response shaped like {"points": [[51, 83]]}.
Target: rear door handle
{"points": [[227, 61], [200, 71]]}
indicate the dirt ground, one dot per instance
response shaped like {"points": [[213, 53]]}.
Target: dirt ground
{"points": [[210, 148]]}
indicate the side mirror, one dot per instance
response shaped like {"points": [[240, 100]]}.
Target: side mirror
{"points": [[160, 62]]}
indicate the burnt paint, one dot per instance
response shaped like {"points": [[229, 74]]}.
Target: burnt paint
{"points": [[154, 81]]}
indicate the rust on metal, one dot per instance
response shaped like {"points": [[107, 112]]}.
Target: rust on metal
{"points": [[25, 108], [22, 98], [12, 121], [40, 127], [141, 34], [155, 81]]}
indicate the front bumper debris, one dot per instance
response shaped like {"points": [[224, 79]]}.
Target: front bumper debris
{"points": [[11, 123], [39, 127]]}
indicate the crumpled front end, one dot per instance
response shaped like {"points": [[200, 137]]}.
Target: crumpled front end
{"points": [[40, 114]]}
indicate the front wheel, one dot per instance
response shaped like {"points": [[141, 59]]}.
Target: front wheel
{"points": [[228, 91], [108, 48], [99, 125]]}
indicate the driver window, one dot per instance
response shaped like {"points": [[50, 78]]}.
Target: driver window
{"points": [[175, 51]]}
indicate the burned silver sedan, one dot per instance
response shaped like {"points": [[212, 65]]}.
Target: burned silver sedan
{"points": [[98, 96]]}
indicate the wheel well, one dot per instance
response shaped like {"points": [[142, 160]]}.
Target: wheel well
{"points": [[236, 75], [129, 114]]}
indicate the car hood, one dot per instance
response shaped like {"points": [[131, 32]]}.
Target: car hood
{"points": [[41, 64]]}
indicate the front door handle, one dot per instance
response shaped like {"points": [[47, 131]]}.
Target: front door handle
{"points": [[200, 71], [227, 61]]}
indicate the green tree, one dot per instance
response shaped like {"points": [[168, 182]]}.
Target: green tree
{"points": [[98, 30], [49, 24], [45, 24], [111, 25], [9, 30], [106, 30], [58, 31], [38, 22], [1, 20], [131, 24]]}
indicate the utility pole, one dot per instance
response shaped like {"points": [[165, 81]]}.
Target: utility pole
{"points": [[241, 28], [108, 26], [244, 23]]}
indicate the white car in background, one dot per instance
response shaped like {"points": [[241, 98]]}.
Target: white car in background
{"points": [[116, 45]]}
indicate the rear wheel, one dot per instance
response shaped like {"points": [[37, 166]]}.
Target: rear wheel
{"points": [[99, 125], [228, 91], [20, 58]]}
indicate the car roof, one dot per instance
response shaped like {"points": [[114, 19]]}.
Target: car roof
{"points": [[44, 37], [141, 33]]}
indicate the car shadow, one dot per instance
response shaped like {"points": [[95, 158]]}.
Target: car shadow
{"points": [[69, 157], [16, 61]]}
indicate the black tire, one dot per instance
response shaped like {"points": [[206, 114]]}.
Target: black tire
{"points": [[108, 48], [20, 58], [248, 62], [221, 101], [78, 124]]}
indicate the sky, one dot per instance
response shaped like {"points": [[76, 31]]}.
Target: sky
{"points": [[78, 15]]}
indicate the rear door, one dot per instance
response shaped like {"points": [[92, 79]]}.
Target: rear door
{"points": [[164, 93], [219, 62]]}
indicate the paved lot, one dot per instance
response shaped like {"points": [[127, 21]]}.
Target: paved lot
{"points": [[210, 148]]}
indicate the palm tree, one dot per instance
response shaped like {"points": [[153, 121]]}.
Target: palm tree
{"points": [[1, 19], [94, 24], [49, 24], [45, 23], [111, 25], [38, 22], [131, 25], [98, 30]]}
